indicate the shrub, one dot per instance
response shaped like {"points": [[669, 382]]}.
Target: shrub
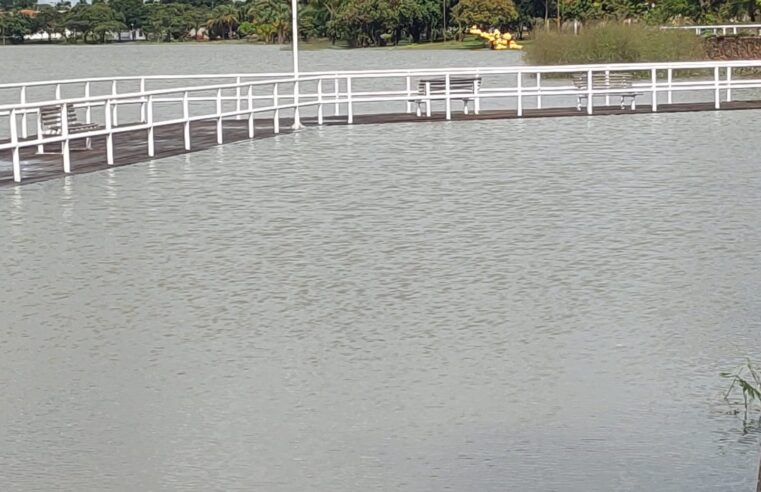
{"points": [[246, 29], [615, 43]]}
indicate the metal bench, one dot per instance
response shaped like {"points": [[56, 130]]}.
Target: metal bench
{"points": [[464, 88], [50, 123], [607, 81]]}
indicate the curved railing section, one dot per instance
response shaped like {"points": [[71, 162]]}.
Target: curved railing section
{"points": [[273, 98]]}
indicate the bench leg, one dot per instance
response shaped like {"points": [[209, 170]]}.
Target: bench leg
{"points": [[634, 103], [418, 110], [623, 102], [465, 106], [88, 143], [578, 103], [41, 148]]}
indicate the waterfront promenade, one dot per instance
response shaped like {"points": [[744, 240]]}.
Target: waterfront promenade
{"points": [[130, 147], [131, 121]]}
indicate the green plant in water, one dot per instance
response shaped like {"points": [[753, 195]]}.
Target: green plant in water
{"points": [[747, 379]]}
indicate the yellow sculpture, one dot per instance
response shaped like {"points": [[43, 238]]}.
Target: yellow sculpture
{"points": [[496, 39]]}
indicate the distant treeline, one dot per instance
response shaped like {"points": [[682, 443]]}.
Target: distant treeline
{"points": [[355, 22]]}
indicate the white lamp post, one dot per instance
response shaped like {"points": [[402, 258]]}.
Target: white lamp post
{"points": [[295, 44]]}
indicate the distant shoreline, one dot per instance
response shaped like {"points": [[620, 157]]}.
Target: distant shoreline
{"points": [[312, 45]]}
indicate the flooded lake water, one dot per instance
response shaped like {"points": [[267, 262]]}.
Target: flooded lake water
{"points": [[489, 305]]}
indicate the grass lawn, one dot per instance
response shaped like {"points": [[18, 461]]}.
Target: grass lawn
{"points": [[469, 43]]}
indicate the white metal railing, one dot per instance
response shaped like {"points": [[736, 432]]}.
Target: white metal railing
{"points": [[273, 96], [721, 28]]}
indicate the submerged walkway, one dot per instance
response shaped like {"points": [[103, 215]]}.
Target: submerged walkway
{"points": [[131, 147]]}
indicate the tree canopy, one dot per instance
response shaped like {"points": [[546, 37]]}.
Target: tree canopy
{"points": [[357, 22]]}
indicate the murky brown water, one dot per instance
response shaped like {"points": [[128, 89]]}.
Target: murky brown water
{"points": [[501, 305]]}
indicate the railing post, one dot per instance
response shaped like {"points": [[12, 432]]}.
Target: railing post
{"points": [[336, 87], [65, 134], [219, 116], [58, 91], [186, 118], [40, 147], [109, 135], [477, 103], [589, 92], [654, 87], [717, 91], [409, 94], [237, 98], [143, 118], [319, 102], [607, 81], [296, 112], [250, 97], [349, 108], [276, 117], [448, 102], [539, 90], [24, 132], [88, 110], [734, 30], [729, 84], [428, 99], [14, 142], [115, 105], [151, 131], [670, 75], [519, 90]]}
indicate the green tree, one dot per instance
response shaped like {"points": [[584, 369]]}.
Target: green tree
{"points": [[325, 13], [169, 22], [14, 27], [416, 19], [223, 22], [50, 21], [246, 29], [272, 19], [486, 13], [17, 4], [133, 12], [94, 22], [364, 22], [667, 10]]}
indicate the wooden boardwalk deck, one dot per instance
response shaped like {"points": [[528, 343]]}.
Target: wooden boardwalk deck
{"points": [[131, 147]]}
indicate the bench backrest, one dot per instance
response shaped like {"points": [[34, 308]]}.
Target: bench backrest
{"points": [[456, 84], [616, 80], [50, 116]]}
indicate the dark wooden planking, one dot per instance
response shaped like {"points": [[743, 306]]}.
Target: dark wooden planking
{"points": [[131, 147]]}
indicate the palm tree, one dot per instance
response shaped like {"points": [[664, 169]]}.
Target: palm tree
{"points": [[223, 19], [326, 12], [273, 16]]}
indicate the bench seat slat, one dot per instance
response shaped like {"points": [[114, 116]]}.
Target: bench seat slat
{"points": [[457, 85], [616, 81], [50, 118]]}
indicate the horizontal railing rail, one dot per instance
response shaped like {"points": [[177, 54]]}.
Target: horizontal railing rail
{"points": [[723, 28], [275, 96]]}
